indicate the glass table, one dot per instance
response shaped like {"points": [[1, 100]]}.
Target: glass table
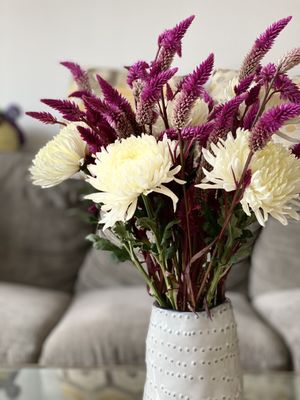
{"points": [[121, 383]]}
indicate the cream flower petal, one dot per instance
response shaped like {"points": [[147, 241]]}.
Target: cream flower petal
{"points": [[128, 168], [167, 192], [275, 181], [60, 158]]}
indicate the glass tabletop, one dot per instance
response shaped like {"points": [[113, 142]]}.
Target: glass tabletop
{"points": [[121, 383]]}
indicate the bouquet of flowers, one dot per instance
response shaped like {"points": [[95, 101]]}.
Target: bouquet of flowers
{"points": [[179, 178]]}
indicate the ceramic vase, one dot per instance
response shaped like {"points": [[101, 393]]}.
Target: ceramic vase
{"points": [[193, 356]]}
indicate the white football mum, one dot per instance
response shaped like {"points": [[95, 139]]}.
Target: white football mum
{"points": [[275, 182], [128, 168], [60, 158]]}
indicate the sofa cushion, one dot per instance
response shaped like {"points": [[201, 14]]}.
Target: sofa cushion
{"points": [[27, 315], [41, 244], [275, 258], [109, 326], [101, 327], [281, 310], [101, 270], [261, 348]]}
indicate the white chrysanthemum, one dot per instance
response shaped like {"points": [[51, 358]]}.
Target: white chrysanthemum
{"points": [[198, 115], [128, 168], [60, 158], [227, 158], [275, 182]]}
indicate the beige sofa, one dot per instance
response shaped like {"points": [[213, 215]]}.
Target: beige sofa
{"points": [[63, 304]]}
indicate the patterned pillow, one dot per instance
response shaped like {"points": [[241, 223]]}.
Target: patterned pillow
{"points": [[11, 137]]}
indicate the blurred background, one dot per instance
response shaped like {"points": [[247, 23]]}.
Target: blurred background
{"points": [[61, 302], [36, 34]]}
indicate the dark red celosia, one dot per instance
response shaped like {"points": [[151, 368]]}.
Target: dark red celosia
{"points": [[296, 150], [112, 96], [253, 95], [68, 109], [43, 116], [93, 140]]}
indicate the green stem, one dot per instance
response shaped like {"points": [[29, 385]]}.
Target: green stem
{"points": [[214, 285], [161, 259], [235, 199], [140, 268]]}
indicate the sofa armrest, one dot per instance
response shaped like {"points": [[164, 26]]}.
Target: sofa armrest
{"points": [[281, 310]]}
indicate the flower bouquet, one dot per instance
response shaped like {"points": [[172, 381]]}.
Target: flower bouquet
{"points": [[178, 179]]}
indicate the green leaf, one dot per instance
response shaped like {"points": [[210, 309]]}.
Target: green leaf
{"points": [[120, 230], [242, 253], [168, 231], [170, 252], [147, 223], [104, 244]]}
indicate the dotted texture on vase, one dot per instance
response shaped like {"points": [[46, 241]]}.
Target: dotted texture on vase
{"points": [[190, 356]]}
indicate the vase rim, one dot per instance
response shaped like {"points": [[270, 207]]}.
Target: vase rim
{"points": [[226, 303]]}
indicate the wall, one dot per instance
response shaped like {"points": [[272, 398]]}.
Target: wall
{"points": [[36, 34]]}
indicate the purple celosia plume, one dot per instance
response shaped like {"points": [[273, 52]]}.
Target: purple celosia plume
{"points": [[250, 115], [253, 95], [80, 76], [119, 121], [79, 94], [287, 88], [191, 88], [199, 133], [193, 82], [68, 109], [270, 122], [169, 93], [290, 60], [137, 71], [151, 93], [261, 46], [93, 140], [169, 43], [116, 119], [154, 85], [267, 73], [244, 84], [112, 96], [44, 117], [224, 120]]}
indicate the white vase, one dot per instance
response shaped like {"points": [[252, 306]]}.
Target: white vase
{"points": [[190, 356]]}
